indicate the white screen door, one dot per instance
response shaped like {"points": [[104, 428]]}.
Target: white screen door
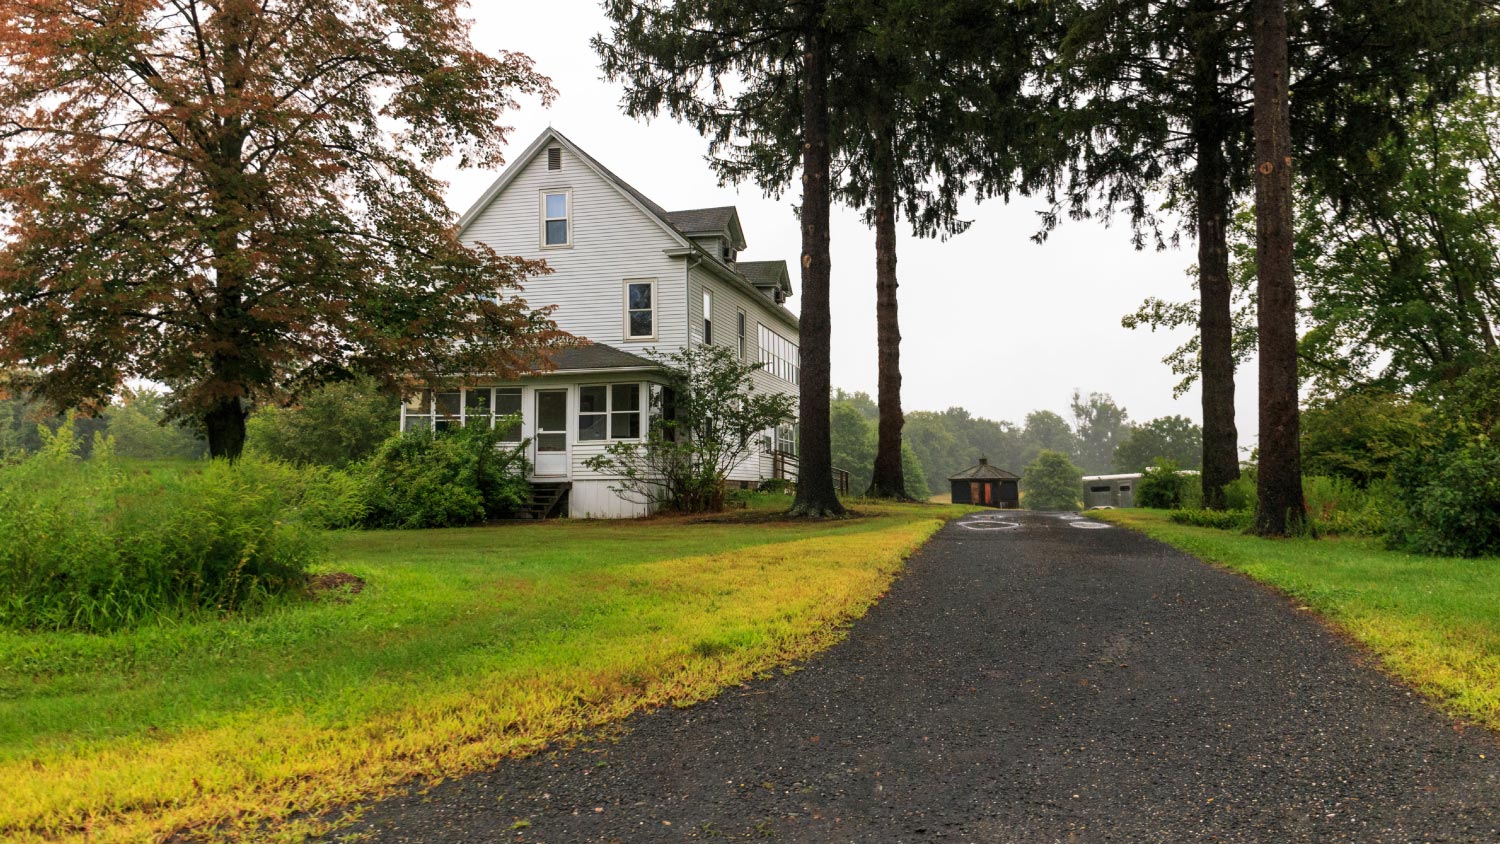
{"points": [[551, 443]]}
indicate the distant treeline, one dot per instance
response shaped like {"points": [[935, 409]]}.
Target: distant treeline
{"points": [[1100, 439]]}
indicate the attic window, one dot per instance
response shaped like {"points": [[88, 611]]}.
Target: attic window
{"points": [[554, 158]]}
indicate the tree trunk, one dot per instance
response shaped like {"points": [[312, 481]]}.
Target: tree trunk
{"points": [[1221, 456], [1282, 510], [889, 480], [816, 495], [224, 423]]}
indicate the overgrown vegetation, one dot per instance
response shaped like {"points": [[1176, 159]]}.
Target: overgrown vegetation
{"points": [[93, 545], [465, 646], [425, 479]]}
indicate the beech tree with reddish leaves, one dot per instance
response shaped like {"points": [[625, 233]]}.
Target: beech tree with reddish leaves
{"points": [[234, 198]]}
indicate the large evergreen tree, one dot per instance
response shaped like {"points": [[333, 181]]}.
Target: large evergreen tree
{"points": [[234, 199], [928, 97], [1280, 507], [753, 77], [1153, 102]]}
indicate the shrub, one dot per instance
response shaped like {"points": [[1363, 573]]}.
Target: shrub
{"points": [[1221, 519], [1161, 486], [91, 546], [423, 479], [1360, 436], [1240, 494], [1052, 482], [1451, 499]]}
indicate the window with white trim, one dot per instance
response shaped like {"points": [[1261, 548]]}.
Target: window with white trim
{"points": [[739, 332], [491, 405], [640, 310], [609, 411], [708, 316], [780, 356], [557, 218]]}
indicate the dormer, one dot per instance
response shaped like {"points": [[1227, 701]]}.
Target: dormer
{"points": [[769, 277], [716, 231]]}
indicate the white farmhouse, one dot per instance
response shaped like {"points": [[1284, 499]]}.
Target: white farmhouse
{"points": [[628, 276]]}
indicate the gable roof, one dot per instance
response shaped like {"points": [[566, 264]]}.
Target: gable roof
{"points": [[984, 471], [772, 274], [723, 220], [655, 212]]}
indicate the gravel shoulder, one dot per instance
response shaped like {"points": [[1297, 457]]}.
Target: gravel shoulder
{"points": [[1030, 678]]}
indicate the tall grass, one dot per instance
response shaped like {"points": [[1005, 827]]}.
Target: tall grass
{"points": [[94, 546]]}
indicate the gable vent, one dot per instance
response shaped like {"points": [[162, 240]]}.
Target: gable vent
{"points": [[554, 158]]}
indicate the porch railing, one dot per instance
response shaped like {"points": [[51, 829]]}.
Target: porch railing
{"points": [[784, 467]]}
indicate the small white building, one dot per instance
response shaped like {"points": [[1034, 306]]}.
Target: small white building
{"points": [[630, 277], [1110, 490]]}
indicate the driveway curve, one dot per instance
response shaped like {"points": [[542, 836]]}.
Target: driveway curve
{"points": [[1030, 678]]}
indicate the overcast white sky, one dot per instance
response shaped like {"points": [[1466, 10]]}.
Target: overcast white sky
{"points": [[990, 320]]}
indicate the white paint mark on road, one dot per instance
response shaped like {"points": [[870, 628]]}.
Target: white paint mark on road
{"points": [[1090, 525]]}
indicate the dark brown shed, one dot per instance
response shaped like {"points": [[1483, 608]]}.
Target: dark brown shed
{"points": [[987, 486]]}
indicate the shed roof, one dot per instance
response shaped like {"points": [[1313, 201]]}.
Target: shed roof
{"points": [[598, 356], [984, 471]]}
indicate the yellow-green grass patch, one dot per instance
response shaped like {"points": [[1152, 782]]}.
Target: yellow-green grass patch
{"points": [[1433, 621], [466, 646]]}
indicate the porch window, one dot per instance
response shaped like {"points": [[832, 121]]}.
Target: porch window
{"points": [[640, 310], [417, 415], [557, 218], [625, 412], [609, 412], [449, 407], [486, 405]]}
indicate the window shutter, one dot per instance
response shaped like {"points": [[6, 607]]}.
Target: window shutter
{"points": [[554, 158]]}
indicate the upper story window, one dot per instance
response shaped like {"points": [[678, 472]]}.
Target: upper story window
{"points": [[557, 218], [640, 310], [610, 411], [708, 316], [780, 356], [739, 333]]}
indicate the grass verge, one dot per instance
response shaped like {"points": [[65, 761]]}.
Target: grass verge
{"points": [[465, 646], [1433, 621]]}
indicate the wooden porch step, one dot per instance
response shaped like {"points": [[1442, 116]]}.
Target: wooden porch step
{"points": [[544, 499]]}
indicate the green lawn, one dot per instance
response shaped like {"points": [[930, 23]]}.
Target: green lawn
{"points": [[465, 646], [1434, 621]]}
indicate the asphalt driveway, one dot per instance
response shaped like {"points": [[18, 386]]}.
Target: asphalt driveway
{"points": [[1031, 678]]}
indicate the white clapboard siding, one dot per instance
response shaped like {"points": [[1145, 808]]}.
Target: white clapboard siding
{"points": [[613, 240]]}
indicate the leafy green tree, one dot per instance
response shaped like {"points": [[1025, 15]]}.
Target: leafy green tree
{"points": [[1100, 425], [1175, 438], [853, 440], [1047, 431], [1052, 482], [715, 422], [753, 78], [235, 199], [939, 450], [140, 428], [860, 401], [335, 425]]}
